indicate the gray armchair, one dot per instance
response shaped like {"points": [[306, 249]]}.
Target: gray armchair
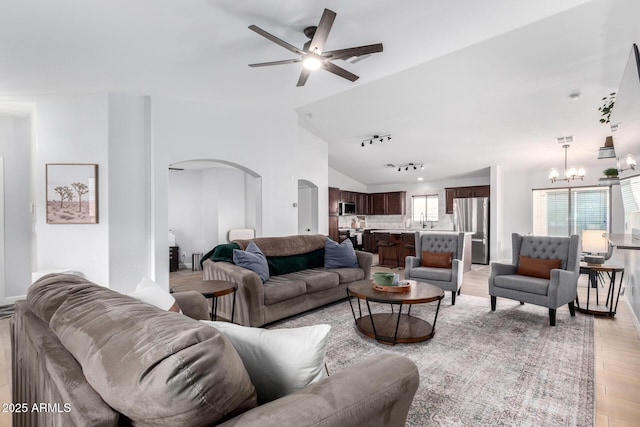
{"points": [[449, 279], [554, 292]]}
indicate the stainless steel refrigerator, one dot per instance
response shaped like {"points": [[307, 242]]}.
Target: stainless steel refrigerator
{"points": [[472, 215]]}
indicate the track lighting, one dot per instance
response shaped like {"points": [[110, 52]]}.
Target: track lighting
{"points": [[406, 166], [379, 138]]}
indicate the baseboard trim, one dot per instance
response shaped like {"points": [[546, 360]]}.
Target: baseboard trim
{"points": [[12, 300]]}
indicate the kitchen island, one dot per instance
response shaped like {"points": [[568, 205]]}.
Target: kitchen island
{"points": [[396, 236]]}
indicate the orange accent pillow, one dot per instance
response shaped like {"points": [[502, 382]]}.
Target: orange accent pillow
{"points": [[535, 267], [436, 259]]}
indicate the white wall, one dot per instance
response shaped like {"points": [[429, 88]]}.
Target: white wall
{"points": [[264, 140], [312, 159], [515, 211], [343, 182], [15, 151], [73, 129], [186, 206], [128, 199]]}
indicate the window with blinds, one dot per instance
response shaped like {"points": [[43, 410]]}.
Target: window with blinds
{"points": [[424, 208], [566, 211], [630, 189]]}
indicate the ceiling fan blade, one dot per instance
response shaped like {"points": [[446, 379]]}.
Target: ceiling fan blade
{"points": [[284, 61], [322, 32], [339, 71], [276, 40], [353, 51], [304, 75]]}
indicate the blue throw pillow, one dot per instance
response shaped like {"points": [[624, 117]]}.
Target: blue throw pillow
{"points": [[253, 259], [339, 255]]}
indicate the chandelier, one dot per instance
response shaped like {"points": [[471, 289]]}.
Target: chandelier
{"points": [[569, 173]]}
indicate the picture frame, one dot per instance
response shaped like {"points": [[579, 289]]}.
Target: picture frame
{"points": [[72, 193]]}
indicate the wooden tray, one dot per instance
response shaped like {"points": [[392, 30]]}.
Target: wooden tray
{"points": [[402, 287]]}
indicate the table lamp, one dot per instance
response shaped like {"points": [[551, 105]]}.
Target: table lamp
{"points": [[594, 242]]}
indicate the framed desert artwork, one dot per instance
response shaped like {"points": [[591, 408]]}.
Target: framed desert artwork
{"points": [[72, 193]]}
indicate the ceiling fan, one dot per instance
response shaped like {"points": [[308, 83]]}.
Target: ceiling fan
{"points": [[312, 55]]}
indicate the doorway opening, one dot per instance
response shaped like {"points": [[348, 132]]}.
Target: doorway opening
{"points": [[207, 198], [307, 207]]}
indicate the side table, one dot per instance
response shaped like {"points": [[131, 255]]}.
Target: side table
{"points": [[211, 289], [611, 301]]}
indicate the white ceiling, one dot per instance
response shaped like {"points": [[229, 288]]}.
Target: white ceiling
{"points": [[461, 85]]}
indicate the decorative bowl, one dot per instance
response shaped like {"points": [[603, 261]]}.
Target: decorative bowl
{"points": [[383, 279]]}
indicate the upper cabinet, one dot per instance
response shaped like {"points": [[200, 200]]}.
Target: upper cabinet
{"points": [[464, 192], [393, 203], [396, 203]]}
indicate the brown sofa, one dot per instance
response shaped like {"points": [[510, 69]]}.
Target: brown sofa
{"points": [[287, 294], [95, 357]]}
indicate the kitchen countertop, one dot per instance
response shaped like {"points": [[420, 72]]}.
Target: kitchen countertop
{"points": [[413, 230], [625, 241]]}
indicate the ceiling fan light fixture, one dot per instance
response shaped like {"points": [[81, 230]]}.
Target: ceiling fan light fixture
{"points": [[312, 62]]}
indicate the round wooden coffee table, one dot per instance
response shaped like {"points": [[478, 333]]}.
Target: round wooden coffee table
{"points": [[392, 328]]}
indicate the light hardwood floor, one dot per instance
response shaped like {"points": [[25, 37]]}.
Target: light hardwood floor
{"points": [[617, 357]]}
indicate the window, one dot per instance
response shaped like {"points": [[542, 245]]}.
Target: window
{"points": [[566, 211], [424, 208]]}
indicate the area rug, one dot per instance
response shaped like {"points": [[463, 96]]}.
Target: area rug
{"points": [[482, 368]]}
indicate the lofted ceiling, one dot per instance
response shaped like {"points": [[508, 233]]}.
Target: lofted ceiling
{"points": [[461, 85]]}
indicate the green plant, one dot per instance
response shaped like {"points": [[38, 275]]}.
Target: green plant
{"points": [[607, 107], [610, 172]]}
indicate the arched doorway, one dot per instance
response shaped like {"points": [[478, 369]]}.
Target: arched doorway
{"points": [[207, 198]]}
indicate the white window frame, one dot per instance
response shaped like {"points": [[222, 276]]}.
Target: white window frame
{"points": [[432, 212], [571, 210]]}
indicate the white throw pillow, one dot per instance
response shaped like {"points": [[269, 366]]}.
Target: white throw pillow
{"points": [[150, 292], [279, 361]]}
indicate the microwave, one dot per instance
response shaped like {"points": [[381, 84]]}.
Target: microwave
{"points": [[346, 208]]}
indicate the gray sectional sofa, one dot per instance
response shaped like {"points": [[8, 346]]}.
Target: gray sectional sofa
{"points": [[298, 281], [95, 357]]}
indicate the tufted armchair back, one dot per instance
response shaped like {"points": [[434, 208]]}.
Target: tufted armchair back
{"points": [[566, 249], [440, 242]]}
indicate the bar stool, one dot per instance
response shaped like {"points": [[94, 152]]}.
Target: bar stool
{"points": [[387, 250], [408, 248]]}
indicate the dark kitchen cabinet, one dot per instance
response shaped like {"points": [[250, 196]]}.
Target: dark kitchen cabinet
{"points": [[334, 199], [396, 203], [464, 192], [362, 204], [348, 196], [378, 203], [393, 203]]}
